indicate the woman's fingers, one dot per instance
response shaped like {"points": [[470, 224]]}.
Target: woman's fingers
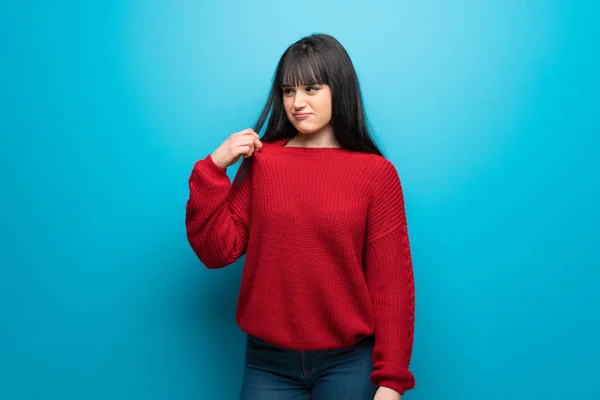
{"points": [[246, 141]]}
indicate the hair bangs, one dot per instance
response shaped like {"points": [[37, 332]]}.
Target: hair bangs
{"points": [[303, 68]]}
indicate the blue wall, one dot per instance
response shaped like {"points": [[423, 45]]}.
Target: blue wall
{"points": [[486, 109]]}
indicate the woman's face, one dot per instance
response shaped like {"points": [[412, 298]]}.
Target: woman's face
{"points": [[308, 107]]}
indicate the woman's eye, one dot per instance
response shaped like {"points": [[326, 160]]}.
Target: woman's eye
{"points": [[308, 89]]}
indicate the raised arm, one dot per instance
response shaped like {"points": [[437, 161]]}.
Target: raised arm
{"points": [[217, 212]]}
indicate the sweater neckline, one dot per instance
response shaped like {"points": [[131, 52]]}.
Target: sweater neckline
{"points": [[321, 151]]}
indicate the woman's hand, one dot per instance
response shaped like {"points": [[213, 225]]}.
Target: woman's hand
{"points": [[242, 143], [385, 393]]}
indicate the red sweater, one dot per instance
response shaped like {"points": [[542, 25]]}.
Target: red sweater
{"points": [[327, 252]]}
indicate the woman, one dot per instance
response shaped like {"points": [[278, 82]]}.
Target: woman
{"points": [[327, 292]]}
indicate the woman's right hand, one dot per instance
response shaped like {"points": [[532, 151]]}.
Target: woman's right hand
{"points": [[242, 143]]}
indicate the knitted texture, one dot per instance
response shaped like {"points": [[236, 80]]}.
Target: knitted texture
{"points": [[327, 251]]}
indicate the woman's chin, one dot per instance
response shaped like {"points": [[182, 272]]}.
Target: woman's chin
{"points": [[305, 130]]}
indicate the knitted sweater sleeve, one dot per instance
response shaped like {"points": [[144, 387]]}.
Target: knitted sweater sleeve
{"points": [[389, 276], [217, 214]]}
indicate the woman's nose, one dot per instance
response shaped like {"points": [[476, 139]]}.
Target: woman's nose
{"points": [[299, 101]]}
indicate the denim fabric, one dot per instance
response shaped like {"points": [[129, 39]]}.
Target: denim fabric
{"points": [[276, 373]]}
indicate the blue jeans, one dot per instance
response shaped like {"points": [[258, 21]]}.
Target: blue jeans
{"points": [[277, 373]]}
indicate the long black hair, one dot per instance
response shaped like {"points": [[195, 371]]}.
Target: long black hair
{"points": [[317, 59]]}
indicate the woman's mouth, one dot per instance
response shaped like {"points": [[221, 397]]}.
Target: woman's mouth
{"points": [[302, 115]]}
